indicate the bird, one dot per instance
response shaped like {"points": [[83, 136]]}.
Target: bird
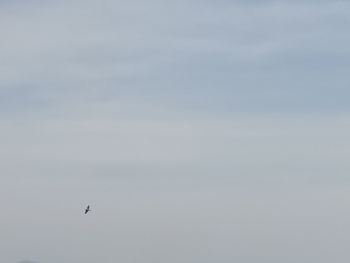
{"points": [[87, 209]]}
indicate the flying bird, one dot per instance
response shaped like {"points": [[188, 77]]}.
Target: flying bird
{"points": [[87, 209]]}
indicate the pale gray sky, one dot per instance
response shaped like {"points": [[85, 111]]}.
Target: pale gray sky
{"points": [[198, 131]]}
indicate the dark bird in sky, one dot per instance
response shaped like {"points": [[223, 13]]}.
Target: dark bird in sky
{"points": [[87, 209]]}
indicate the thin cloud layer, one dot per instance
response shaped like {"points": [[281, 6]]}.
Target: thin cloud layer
{"points": [[230, 56], [198, 131]]}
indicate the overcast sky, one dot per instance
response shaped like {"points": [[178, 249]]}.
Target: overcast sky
{"points": [[198, 131]]}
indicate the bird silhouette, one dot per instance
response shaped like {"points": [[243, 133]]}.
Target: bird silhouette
{"points": [[87, 209]]}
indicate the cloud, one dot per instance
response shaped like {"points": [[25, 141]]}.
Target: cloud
{"points": [[199, 131], [272, 56]]}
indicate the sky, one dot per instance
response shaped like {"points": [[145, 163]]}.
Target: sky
{"points": [[197, 131]]}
